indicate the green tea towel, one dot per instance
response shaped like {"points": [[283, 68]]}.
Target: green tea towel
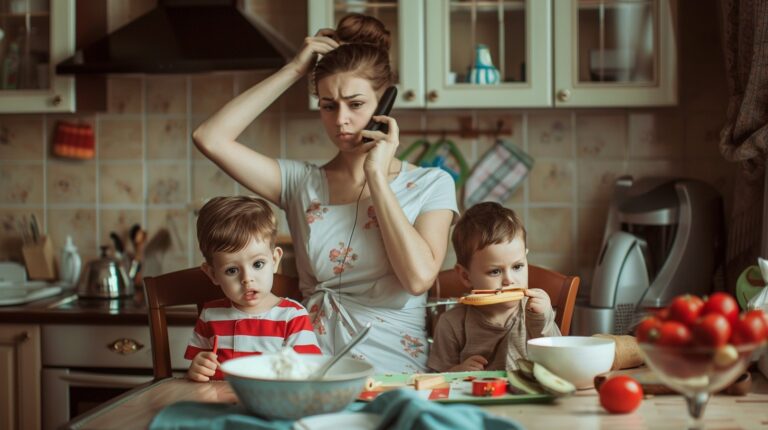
{"points": [[400, 409]]}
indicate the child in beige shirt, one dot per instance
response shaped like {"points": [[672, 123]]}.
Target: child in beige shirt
{"points": [[491, 253]]}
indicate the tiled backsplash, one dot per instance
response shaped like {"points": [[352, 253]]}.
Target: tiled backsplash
{"points": [[147, 171]]}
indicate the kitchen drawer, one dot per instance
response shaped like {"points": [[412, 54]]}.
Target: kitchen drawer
{"points": [[91, 346]]}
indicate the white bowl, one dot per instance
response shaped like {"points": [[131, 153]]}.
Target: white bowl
{"points": [[577, 359], [295, 398]]}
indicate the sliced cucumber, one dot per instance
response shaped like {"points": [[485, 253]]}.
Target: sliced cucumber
{"points": [[516, 380], [551, 382], [526, 367]]}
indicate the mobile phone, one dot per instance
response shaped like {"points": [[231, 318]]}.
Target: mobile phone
{"points": [[385, 105]]}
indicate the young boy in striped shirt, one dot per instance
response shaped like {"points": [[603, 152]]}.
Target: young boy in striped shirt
{"points": [[237, 238]]}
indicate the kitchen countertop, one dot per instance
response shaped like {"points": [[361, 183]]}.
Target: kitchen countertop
{"points": [[66, 308]]}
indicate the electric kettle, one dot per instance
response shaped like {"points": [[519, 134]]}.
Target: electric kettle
{"points": [[104, 278]]}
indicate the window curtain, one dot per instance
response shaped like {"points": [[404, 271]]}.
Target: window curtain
{"points": [[744, 137]]}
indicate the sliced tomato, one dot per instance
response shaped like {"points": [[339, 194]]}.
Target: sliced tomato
{"points": [[674, 333], [723, 304], [648, 330], [711, 330], [685, 309], [621, 394], [750, 328]]}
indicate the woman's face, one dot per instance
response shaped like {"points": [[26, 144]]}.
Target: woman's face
{"points": [[346, 104]]}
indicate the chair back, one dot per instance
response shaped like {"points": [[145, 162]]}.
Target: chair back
{"points": [[561, 289], [188, 287]]}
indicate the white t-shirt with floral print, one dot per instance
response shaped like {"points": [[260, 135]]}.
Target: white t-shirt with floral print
{"points": [[342, 298]]}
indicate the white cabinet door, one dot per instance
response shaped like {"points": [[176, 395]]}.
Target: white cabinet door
{"points": [[517, 35], [615, 53], [37, 36]]}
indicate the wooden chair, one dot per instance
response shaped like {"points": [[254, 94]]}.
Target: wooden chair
{"points": [[186, 287], [562, 291]]}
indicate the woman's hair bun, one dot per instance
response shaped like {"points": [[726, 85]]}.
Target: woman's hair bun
{"points": [[358, 28]]}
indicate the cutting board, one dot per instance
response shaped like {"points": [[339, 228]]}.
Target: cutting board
{"points": [[456, 389]]}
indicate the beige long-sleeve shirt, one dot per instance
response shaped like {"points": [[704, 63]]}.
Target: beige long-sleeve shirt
{"points": [[465, 331]]}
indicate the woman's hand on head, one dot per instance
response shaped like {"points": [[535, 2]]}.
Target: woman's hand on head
{"points": [[538, 300], [321, 43], [383, 147]]}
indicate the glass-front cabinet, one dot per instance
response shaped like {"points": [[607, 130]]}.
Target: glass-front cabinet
{"points": [[34, 36], [523, 53], [615, 53]]}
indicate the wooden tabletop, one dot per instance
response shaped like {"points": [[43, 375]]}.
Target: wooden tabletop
{"points": [[136, 409]]}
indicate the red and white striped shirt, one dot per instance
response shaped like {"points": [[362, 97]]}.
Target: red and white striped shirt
{"points": [[240, 334]]}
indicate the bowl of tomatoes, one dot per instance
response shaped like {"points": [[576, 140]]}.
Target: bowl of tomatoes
{"points": [[698, 346]]}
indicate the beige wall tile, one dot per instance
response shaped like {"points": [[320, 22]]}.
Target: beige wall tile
{"points": [[71, 182], [80, 224], [167, 182], [597, 178], [306, 139], [121, 183], [702, 135], [517, 197], [210, 92], [654, 168], [21, 137], [601, 135], [208, 180], [263, 135], [12, 222], [167, 94], [167, 138], [552, 181], [119, 221], [549, 230], [124, 95], [177, 222], [591, 229], [120, 139], [561, 263], [550, 134], [21, 183], [655, 135]]}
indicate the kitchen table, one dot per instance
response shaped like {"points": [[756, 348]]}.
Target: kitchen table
{"points": [[136, 409]]}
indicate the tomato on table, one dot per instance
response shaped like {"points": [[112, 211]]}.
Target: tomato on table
{"points": [[685, 309], [620, 394]]}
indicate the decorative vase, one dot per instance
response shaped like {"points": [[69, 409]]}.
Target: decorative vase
{"points": [[483, 73]]}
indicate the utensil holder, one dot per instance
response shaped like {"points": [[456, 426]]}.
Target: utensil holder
{"points": [[39, 259]]}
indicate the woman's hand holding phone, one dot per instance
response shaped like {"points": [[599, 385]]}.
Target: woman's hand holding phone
{"points": [[382, 147]]}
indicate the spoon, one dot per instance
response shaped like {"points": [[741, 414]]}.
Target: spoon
{"points": [[319, 373]]}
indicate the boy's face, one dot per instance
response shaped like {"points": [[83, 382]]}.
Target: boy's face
{"points": [[497, 266], [246, 276]]}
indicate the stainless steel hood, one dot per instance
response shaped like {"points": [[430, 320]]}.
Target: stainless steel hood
{"points": [[182, 36]]}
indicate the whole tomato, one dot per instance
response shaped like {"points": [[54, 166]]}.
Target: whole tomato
{"points": [[648, 330], [711, 330], [674, 333], [723, 304], [750, 328], [620, 394], [686, 309]]}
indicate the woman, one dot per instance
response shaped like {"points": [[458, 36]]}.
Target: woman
{"points": [[370, 231]]}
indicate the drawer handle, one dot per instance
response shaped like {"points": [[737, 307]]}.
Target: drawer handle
{"points": [[125, 346]]}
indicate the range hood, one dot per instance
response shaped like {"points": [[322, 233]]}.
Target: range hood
{"points": [[182, 36]]}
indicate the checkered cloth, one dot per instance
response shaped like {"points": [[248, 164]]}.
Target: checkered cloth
{"points": [[497, 174]]}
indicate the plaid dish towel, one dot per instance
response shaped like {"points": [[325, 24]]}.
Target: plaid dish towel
{"points": [[497, 174]]}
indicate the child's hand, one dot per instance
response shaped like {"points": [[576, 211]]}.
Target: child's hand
{"points": [[203, 367], [538, 300], [475, 362]]}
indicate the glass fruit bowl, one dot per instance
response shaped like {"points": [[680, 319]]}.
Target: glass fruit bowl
{"points": [[696, 373]]}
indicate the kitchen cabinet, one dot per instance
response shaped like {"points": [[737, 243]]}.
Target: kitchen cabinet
{"points": [[19, 376], [37, 34], [562, 53]]}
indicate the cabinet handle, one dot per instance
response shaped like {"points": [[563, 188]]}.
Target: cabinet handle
{"points": [[563, 95], [409, 95], [56, 100], [432, 96], [125, 346]]}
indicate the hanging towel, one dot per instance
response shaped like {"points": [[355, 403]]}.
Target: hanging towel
{"points": [[500, 170]]}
